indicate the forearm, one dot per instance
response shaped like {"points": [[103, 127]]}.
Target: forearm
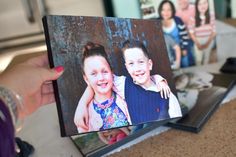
{"points": [[86, 97], [193, 37], [177, 54], [157, 78], [212, 36]]}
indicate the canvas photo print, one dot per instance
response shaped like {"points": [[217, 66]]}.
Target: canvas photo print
{"points": [[188, 27], [117, 73]]}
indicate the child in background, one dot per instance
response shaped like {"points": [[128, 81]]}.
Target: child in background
{"points": [[174, 27], [185, 11], [202, 31], [106, 109]]}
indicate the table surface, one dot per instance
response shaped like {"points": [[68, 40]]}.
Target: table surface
{"points": [[41, 129]]}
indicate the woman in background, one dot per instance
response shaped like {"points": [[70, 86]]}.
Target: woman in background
{"points": [[175, 28]]}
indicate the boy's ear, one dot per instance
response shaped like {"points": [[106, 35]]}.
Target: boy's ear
{"points": [[86, 80], [150, 64]]}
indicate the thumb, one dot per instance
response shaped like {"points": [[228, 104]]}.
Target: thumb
{"points": [[53, 74]]}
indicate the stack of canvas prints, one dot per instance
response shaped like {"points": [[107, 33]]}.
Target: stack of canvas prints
{"points": [[117, 75]]}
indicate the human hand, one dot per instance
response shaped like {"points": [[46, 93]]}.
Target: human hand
{"points": [[164, 89], [213, 35], [32, 81], [199, 46]]}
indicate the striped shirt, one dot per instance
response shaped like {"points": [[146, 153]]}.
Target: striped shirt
{"points": [[205, 30]]}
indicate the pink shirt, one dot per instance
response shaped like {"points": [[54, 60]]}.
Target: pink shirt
{"points": [[205, 30], [185, 15]]}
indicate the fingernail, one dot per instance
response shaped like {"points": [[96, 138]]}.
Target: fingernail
{"points": [[59, 69]]}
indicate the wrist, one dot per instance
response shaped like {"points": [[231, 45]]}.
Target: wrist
{"points": [[14, 103]]}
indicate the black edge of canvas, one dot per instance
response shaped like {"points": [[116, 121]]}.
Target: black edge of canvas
{"points": [[51, 64], [107, 149], [198, 127]]}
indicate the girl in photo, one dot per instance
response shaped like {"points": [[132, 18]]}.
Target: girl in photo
{"points": [[106, 109], [202, 31]]}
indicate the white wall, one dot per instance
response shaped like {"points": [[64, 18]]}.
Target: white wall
{"points": [[126, 8], [13, 21]]}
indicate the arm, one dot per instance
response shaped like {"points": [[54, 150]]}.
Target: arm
{"points": [[81, 114], [213, 32], [191, 28], [178, 56], [212, 36], [193, 37], [162, 85], [174, 107], [119, 85], [183, 34]]}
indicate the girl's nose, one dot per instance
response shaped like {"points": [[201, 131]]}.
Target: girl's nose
{"points": [[100, 77]]}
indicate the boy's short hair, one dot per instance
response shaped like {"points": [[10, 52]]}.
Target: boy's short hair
{"points": [[171, 6], [93, 49], [134, 44]]}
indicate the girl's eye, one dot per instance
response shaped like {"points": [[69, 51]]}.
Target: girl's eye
{"points": [[93, 73], [141, 62]]}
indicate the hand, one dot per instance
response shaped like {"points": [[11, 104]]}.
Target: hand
{"points": [[164, 89], [199, 46], [81, 118], [213, 35], [32, 81], [175, 65], [204, 46], [184, 52]]}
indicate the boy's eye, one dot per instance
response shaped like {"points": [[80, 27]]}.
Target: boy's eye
{"points": [[130, 63], [105, 71]]}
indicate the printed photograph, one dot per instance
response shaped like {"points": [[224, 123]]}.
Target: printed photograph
{"points": [[188, 27], [117, 73]]}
